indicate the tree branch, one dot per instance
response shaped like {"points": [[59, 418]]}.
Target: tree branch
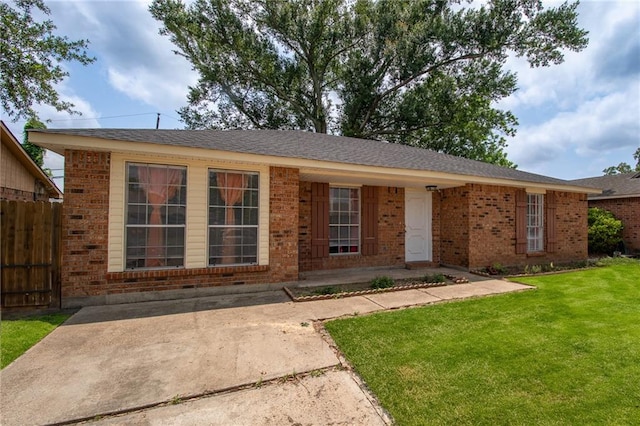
{"points": [[379, 98]]}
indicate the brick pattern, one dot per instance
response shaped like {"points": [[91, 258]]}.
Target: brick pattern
{"points": [[85, 225], [473, 226], [283, 224], [628, 211], [484, 215], [436, 228], [454, 226], [390, 234], [85, 217], [19, 195], [492, 225]]}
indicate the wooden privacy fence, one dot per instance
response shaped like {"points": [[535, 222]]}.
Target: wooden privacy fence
{"points": [[30, 254]]}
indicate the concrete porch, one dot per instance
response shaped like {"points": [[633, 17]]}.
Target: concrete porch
{"points": [[359, 275]]}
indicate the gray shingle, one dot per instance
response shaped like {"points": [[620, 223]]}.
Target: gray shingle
{"points": [[314, 146], [622, 185]]}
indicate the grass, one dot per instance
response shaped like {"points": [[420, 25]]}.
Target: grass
{"points": [[16, 336], [566, 353]]}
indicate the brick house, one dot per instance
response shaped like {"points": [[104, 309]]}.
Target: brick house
{"points": [[621, 196], [21, 178], [153, 213]]}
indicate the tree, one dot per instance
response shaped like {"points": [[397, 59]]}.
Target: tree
{"points": [[35, 152], [30, 57], [605, 231], [624, 167], [419, 72]]}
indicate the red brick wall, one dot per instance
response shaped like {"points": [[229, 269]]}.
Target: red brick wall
{"points": [[19, 195], [283, 224], [571, 227], [484, 215], [628, 211], [492, 225], [85, 223], [454, 226], [16, 195], [436, 228], [390, 234], [85, 229]]}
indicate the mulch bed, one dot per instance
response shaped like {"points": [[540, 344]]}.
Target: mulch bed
{"points": [[307, 294]]}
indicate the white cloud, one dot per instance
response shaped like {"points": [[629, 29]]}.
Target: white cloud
{"points": [[584, 114], [603, 124], [134, 58], [62, 119], [146, 85]]}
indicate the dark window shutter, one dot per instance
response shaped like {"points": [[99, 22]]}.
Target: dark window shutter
{"points": [[319, 220], [550, 225], [521, 221], [369, 220]]}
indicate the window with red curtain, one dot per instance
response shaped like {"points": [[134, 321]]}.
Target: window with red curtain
{"points": [[156, 201], [233, 217]]}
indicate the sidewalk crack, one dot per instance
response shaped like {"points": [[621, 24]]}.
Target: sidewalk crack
{"points": [[374, 302]]}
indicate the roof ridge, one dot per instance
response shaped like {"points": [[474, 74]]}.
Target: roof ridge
{"points": [[304, 144]]}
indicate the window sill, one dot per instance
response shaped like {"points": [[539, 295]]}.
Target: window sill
{"points": [[184, 272], [537, 254]]}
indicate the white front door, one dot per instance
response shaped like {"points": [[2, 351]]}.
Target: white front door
{"points": [[418, 225]]}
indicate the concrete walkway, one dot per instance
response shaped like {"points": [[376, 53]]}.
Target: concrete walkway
{"points": [[235, 359]]}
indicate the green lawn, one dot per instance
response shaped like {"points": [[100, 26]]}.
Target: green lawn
{"points": [[566, 353], [16, 336]]}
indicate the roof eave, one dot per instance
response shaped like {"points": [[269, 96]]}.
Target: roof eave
{"points": [[614, 197], [58, 142]]}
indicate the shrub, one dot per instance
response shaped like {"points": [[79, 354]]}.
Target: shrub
{"points": [[382, 282], [435, 278], [605, 231], [496, 269], [327, 290]]}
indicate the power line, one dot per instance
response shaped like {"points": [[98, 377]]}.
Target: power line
{"points": [[111, 116], [106, 118]]}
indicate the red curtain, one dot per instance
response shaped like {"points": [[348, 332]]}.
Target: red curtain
{"points": [[231, 187], [160, 184]]}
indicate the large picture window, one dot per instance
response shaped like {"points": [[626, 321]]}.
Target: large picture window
{"points": [[535, 222], [233, 217], [344, 220], [156, 200]]}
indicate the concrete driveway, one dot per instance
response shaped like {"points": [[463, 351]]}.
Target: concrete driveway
{"points": [[235, 359]]}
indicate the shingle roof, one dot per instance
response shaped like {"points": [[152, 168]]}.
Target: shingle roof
{"points": [[314, 146], [622, 185]]}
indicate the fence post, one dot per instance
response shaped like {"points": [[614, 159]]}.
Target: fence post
{"points": [[56, 255]]}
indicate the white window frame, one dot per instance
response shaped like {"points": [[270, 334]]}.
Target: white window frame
{"points": [[535, 223], [166, 226], [335, 243], [255, 226], [196, 252]]}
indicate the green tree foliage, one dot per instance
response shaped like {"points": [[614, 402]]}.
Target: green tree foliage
{"points": [[425, 73], [30, 57], [35, 152], [605, 231], [624, 167]]}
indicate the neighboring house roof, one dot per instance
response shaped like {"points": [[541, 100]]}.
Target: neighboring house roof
{"points": [[310, 146], [12, 144], [623, 185]]}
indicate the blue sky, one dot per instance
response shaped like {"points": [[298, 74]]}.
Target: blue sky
{"points": [[575, 118]]}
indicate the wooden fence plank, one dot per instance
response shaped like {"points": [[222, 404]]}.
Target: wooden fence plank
{"points": [[56, 255], [27, 232]]}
